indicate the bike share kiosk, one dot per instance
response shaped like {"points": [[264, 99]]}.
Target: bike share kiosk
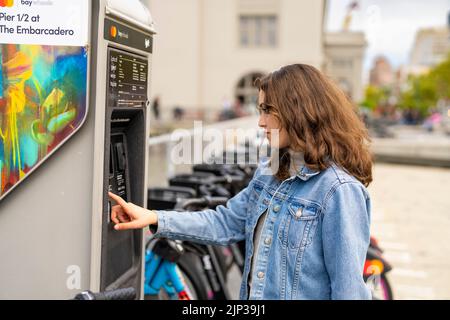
{"points": [[74, 91]]}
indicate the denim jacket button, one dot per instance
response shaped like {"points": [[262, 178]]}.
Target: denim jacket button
{"points": [[267, 241], [260, 275], [299, 212], [276, 208]]}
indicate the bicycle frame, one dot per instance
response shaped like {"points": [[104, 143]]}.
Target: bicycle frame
{"points": [[164, 274]]}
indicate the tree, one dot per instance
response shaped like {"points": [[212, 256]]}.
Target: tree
{"points": [[441, 75], [375, 96], [424, 91]]}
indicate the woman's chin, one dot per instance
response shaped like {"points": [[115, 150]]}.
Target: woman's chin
{"points": [[272, 144]]}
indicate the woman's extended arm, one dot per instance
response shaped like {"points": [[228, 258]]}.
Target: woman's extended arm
{"points": [[224, 225]]}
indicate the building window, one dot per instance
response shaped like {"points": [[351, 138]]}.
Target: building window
{"points": [[260, 31], [342, 63], [246, 92]]}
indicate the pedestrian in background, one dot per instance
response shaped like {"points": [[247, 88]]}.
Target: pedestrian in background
{"points": [[155, 108]]}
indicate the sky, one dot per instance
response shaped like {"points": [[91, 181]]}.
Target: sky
{"points": [[389, 25]]}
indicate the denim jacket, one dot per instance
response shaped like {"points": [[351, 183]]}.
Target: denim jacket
{"points": [[313, 242]]}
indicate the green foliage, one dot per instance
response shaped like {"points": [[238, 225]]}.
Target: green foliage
{"points": [[424, 91], [375, 96], [441, 77]]}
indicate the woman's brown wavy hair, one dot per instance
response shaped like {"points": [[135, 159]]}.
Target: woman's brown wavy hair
{"points": [[320, 119]]}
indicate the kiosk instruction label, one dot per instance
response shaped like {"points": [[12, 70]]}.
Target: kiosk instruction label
{"points": [[44, 22]]}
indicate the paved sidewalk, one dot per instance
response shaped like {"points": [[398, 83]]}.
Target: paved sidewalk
{"points": [[411, 219]]}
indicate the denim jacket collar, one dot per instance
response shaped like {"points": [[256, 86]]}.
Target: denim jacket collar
{"points": [[304, 173]]}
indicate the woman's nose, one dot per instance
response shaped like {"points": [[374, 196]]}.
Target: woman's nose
{"points": [[261, 122]]}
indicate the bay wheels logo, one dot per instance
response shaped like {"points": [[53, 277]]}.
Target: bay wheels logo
{"points": [[6, 3]]}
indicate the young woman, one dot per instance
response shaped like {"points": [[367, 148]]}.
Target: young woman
{"points": [[306, 225]]}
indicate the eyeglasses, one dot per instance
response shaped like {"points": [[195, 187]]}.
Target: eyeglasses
{"points": [[265, 108]]}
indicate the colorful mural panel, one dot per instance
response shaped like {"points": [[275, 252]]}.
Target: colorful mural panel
{"points": [[43, 92]]}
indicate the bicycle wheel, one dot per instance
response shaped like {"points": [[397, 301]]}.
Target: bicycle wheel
{"points": [[381, 288], [196, 281], [189, 269], [224, 258], [189, 288]]}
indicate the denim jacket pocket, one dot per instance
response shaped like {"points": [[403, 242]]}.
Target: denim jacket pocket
{"points": [[298, 225]]}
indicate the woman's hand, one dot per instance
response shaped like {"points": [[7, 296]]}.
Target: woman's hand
{"points": [[127, 215]]}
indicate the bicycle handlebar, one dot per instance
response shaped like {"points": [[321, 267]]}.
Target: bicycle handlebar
{"points": [[227, 179], [204, 202], [118, 294], [215, 190]]}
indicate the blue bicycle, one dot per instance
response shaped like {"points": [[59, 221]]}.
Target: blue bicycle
{"points": [[179, 270], [163, 272]]}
